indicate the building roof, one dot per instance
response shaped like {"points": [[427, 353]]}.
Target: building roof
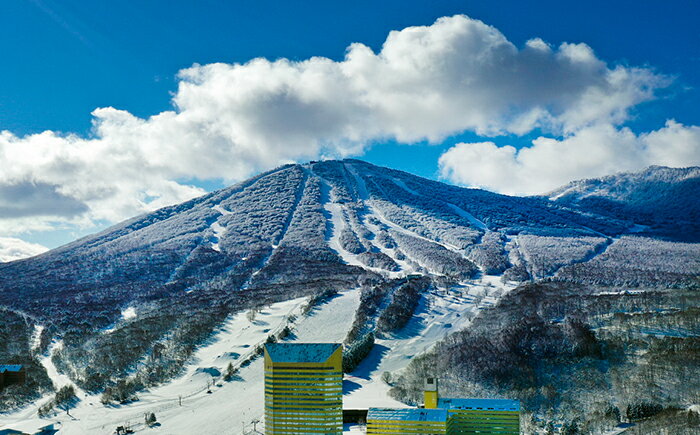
{"points": [[10, 368], [407, 414], [485, 404], [301, 352]]}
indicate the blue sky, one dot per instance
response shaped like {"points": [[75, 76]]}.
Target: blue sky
{"points": [[62, 60]]}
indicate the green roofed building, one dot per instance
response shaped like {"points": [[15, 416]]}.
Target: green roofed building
{"points": [[482, 416], [406, 421], [303, 388]]}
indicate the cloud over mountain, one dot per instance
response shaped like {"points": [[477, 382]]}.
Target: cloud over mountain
{"points": [[15, 249], [426, 83], [593, 151]]}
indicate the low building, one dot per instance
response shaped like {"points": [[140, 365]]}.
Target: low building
{"points": [[468, 416], [484, 416], [12, 374], [406, 421], [303, 388]]}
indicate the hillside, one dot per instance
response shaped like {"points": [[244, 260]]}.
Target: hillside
{"points": [[663, 201], [128, 310]]}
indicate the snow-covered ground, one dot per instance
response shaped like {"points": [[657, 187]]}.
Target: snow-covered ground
{"points": [[35, 339], [230, 406], [185, 406], [439, 313], [217, 229]]}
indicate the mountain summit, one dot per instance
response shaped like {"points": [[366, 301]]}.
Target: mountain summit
{"points": [[136, 300]]}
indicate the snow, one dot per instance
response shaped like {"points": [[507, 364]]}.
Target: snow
{"points": [[58, 379], [406, 268], [35, 339], [470, 217], [221, 210], [231, 404], [129, 313], [350, 428], [377, 214], [439, 314], [460, 212], [338, 222], [402, 185], [218, 231], [267, 213]]}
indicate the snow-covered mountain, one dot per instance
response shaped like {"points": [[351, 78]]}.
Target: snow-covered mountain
{"points": [[663, 201], [129, 308], [331, 221]]}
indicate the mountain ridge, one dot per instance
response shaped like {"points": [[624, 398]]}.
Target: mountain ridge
{"points": [[304, 230], [662, 200]]}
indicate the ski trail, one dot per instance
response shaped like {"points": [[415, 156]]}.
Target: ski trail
{"points": [[371, 211], [35, 339], [231, 404], [468, 216], [336, 221], [458, 210], [439, 313], [217, 229], [58, 379], [222, 210], [386, 221], [597, 252], [376, 213], [283, 232]]}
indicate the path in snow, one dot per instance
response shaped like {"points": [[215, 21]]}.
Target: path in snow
{"points": [[459, 211], [438, 315], [283, 232], [35, 339], [336, 222], [370, 210], [231, 404]]}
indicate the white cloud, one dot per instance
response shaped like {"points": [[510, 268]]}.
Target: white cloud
{"points": [[15, 249], [231, 120], [548, 163]]}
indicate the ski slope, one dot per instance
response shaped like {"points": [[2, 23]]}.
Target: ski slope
{"points": [[183, 405], [230, 406], [439, 313]]}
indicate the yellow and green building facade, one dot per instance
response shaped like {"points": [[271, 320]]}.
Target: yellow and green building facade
{"points": [[482, 416], [303, 388], [389, 421], [447, 416]]}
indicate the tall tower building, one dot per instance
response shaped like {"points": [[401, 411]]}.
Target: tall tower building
{"points": [[303, 388]]}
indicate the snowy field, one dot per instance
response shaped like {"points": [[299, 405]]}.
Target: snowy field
{"points": [[232, 406], [439, 314]]}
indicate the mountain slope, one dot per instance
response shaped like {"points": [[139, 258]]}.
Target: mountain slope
{"points": [[127, 307], [665, 201]]}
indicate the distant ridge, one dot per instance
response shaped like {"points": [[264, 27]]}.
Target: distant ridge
{"points": [[666, 200]]}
